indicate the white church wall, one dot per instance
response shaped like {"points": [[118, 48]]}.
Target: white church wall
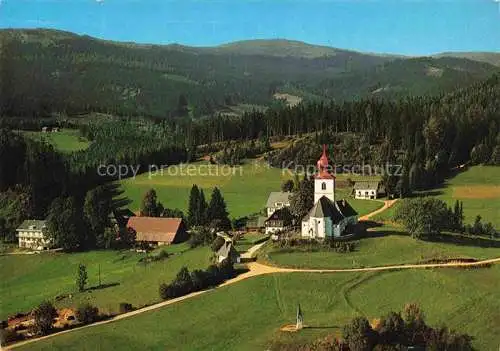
{"points": [[324, 187]]}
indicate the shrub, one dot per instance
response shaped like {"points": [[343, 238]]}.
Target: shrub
{"points": [[87, 314], [125, 307], [186, 282], [424, 216], [392, 329], [44, 316], [8, 336], [359, 335], [444, 339]]}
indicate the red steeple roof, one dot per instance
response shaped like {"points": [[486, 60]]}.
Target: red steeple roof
{"points": [[323, 168]]}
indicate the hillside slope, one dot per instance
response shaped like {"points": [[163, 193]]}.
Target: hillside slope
{"points": [[43, 72], [492, 58]]}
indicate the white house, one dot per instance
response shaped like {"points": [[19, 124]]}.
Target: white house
{"points": [[277, 200], [366, 190], [32, 235], [327, 217]]}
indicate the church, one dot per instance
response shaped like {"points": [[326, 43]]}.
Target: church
{"points": [[327, 217]]}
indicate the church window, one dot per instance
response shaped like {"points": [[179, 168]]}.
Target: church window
{"points": [[323, 186]]}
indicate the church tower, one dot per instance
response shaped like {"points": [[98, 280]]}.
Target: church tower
{"points": [[324, 182]]}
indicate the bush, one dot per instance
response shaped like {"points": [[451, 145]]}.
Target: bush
{"points": [[392, 329], [87, 314], [8, 336], [125, 307], [359, 335], [44, 316], [312, 245], [186, 282], [424, 216], [201, 236], [444, 339]]}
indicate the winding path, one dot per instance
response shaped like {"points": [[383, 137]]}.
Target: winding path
{"points": [[387, 204], [257, 269]]}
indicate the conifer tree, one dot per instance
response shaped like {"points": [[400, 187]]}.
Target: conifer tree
{"points": [[217, 211], [202, 208], [149, 206], [194, 206]]}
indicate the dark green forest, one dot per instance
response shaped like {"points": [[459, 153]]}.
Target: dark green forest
{"points": [[45, 73]]}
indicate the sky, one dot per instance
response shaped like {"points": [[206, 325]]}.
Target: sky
{"points": [[409, 27]]}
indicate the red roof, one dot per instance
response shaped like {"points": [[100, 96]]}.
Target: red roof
{"points": [[323, 168], [157, 229]]}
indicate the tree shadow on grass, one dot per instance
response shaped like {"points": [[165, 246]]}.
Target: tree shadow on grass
{"points": [[322, 327], [463, 240], [102, 286]]}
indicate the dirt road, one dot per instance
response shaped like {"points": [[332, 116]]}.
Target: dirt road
{"points": [[387, 204]]}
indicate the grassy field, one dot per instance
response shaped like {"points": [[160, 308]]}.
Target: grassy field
{"points": [[66, 140], [244, 188], [248, 315], [386, 246], [478, 188], [249, 240], [29, 279]]}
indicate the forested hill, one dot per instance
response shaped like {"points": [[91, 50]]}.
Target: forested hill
{"points": [[43, 72]]}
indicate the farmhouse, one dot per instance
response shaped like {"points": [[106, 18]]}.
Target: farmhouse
{"points": [[327, 218], [158, 230], [256, 224], [366, 190], [227, 250], [279, 221], [32, 235], [277, 200]]}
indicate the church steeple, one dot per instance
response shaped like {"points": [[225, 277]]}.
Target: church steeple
{"points": [[323, 167], [324, 182]]}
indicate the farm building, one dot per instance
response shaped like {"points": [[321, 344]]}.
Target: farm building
{"points": [[256, 224], [367, 190], [32, 235], [279, 221], [158, 230], [327, 217], [277, 200], [227, 250]]}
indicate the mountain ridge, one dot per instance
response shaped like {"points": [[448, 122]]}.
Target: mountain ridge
{"points": [[45, 71], [252, 47]]}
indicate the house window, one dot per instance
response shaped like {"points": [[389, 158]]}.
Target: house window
{"points": [[323, 186]]}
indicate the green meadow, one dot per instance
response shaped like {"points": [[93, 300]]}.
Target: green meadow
{"points": [[244, 188], [383, 246], [479, 189], [27, 280], [66, 140], [249, 314]]}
